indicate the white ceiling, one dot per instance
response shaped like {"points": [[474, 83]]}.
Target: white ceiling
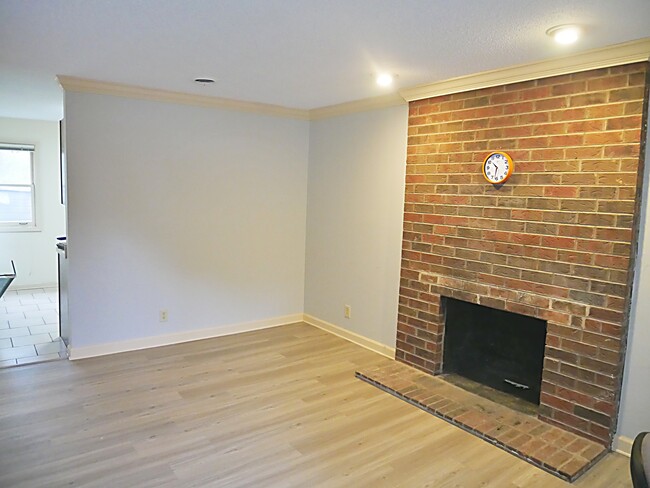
{"points": [[295, 53]]}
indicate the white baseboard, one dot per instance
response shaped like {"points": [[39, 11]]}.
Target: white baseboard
{"points": [[224, 330], [37, 286], [358, 339], [623, 445], [179, 337]]}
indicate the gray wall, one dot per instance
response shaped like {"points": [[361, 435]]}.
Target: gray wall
{"points": [[357, 164], [194, 210]]}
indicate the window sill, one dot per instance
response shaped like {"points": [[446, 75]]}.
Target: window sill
{"points": [[17, 230]]}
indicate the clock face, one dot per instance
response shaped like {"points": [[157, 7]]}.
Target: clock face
{"points": [[498, 167]]}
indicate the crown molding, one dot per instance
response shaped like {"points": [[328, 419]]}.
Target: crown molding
{"points": [[82, 85], [384, 101], [629, 52]]}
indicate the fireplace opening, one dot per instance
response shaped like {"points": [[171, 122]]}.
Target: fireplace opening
{"points": [[500, 349]]}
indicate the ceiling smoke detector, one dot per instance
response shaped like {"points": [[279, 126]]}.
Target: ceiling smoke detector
{"points": [[564, 34]]}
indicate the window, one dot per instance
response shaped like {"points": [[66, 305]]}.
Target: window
{"points": [[16, 187]]}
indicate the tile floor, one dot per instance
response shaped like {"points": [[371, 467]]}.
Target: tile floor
{"points": [[29, 327]]}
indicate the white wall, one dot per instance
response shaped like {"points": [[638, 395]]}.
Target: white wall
{"points": [[635, 399], [357, 166], [194, 210], [34, 252]]}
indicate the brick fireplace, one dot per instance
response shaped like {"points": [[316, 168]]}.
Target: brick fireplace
{"points": [[555, 242]]}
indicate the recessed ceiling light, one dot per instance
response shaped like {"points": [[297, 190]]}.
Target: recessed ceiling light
{"points": [[564, 34], [385, 79], [203, 81]]}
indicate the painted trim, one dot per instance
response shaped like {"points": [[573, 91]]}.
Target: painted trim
{"points": [[623, 445], [37, 286], [364, 105], [629, 52], [82, 85], [179, 337], [353, 337]]}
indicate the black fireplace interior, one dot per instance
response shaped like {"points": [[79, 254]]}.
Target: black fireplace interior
{"points": [[503, 350]]}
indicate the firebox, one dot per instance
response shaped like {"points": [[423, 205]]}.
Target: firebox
{"points": [[500, 349]]}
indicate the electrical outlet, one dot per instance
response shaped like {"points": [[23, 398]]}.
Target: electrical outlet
{"points": [[163, 316], [347, 311]]}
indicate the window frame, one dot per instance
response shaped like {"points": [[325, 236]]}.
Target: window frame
{"points": [[23, 226]]}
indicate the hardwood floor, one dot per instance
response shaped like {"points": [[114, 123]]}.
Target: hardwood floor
{"points": [[274, 408]]}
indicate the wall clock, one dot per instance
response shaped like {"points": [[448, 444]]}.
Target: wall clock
{"points": [[497, 167]]}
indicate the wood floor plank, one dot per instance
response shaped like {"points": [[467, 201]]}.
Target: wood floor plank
{"points": [[275, 408]]}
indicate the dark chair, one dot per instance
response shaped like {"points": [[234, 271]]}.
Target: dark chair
{"points": [[640, 460], [6, 279]]}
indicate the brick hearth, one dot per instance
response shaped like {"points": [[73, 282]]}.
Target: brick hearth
{"points": [[555, 242], [555, 450]]}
